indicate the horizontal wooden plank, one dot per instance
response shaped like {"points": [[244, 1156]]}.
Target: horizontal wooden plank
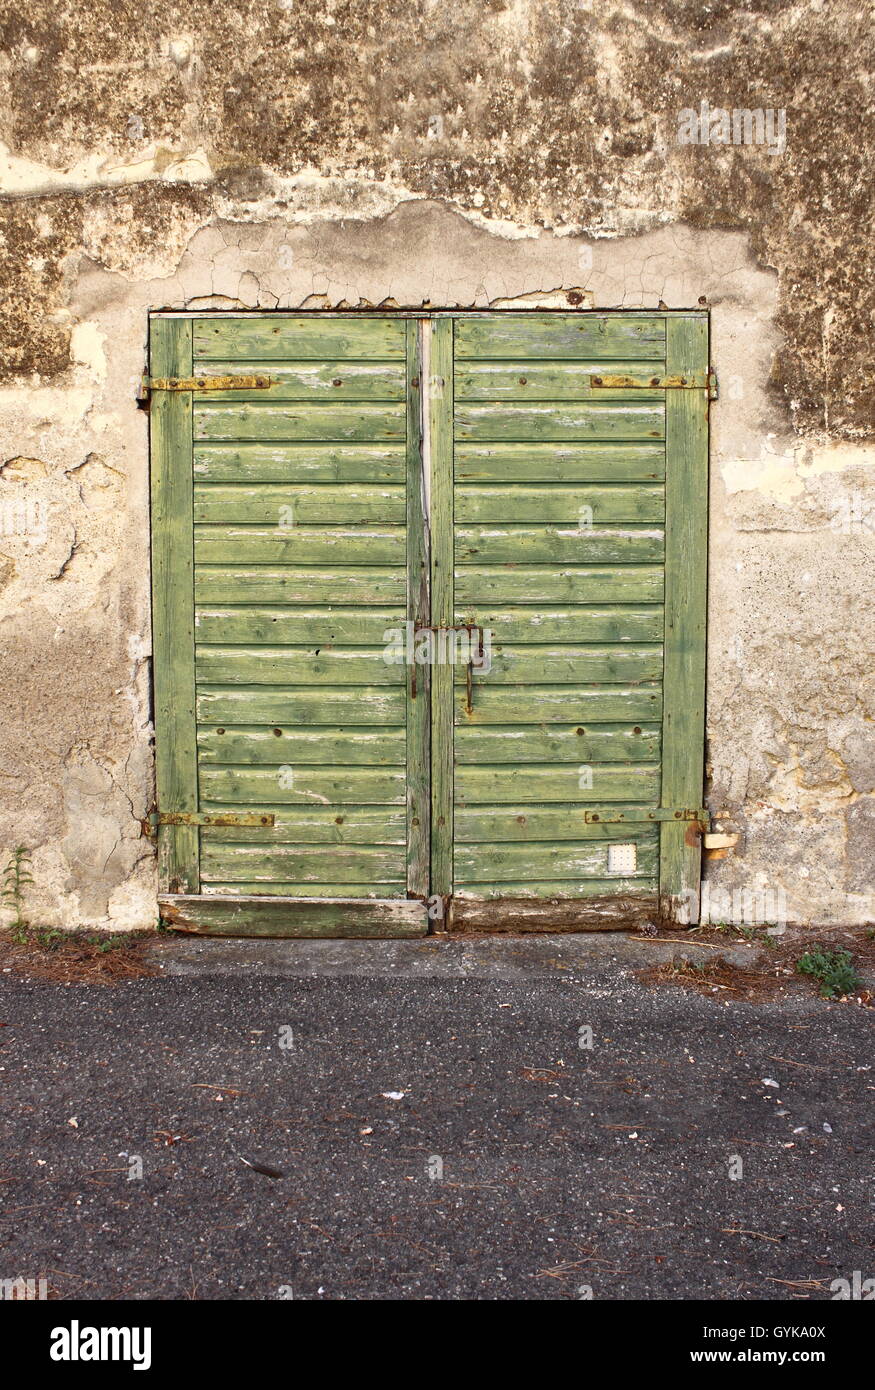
{"points": [[289, 505], [600, 337], [544, 380], [563, 545], [561, 421], [299, 463], [303, 863], [537, 861], [361, 584], [354, 825], [316, 381], [311, 626], [620, 462], [607, 623], [328, 627], [612, 743], [366, 705], [307, 786], [501, 913], [254, 337], [299, 545], [256, 916], [279, 889], [510, 583], [559, 665], [537, 704], [582, 506], [555, 890], [295, 666], [337, 747], [602, 782], [251, 420], [498, 824]]}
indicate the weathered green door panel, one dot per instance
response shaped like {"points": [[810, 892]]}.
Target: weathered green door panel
{"points": [[244, 914], [625, 339], [305, 706], [296, 584], [302, 825], [341, 864], [623, 462], [536, 783], [295, 510], [557, 743], [276, 463], [305, 665], [573, 509], [297, 337], [597, 420], [289, 626], [332, 422], [527, 664], [253, 744], [521, 502], [550, 704], [516, 581], [533, 861], [540, 381], [291, 545], [260, 504], [315, 381], [605, 545]]}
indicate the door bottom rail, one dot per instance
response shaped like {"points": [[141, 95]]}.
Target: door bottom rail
{"points": [[274, 916]]}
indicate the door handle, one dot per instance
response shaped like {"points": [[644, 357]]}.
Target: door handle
{"points": [[476, 654], [472, 662]]}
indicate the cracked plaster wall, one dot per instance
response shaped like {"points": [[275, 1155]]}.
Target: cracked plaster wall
{"points": [[279, 155]]}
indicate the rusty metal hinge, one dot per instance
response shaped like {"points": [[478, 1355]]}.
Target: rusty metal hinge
{"points": [[695, 381], [257, 382], [611, 816], [151, 822]]}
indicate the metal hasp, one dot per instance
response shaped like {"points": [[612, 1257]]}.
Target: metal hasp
{"points": [[476, 653], [694, 382]]}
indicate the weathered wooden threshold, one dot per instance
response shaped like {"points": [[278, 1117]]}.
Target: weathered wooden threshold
{"points": [[220, 915], [293, 917], [499, 915]]}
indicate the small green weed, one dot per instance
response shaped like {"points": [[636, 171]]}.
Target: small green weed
{"points": [[833, 970], [16, 877]]}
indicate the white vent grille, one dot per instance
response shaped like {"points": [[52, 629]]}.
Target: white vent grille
{"points": [[622, 859]]}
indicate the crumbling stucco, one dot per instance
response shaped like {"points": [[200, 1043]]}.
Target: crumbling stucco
{"points": [[296, 153], [525, 113]]}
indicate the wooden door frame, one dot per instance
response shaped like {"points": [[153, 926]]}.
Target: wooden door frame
{"points": [[429, 600]]}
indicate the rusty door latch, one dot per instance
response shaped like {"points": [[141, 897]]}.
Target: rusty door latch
{"points": [[478, 660], [476, 654]]}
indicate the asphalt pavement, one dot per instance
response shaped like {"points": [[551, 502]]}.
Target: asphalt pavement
{"points": [[520, 1118]]}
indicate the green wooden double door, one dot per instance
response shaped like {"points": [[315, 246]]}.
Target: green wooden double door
{"points": [[429, 618]]}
